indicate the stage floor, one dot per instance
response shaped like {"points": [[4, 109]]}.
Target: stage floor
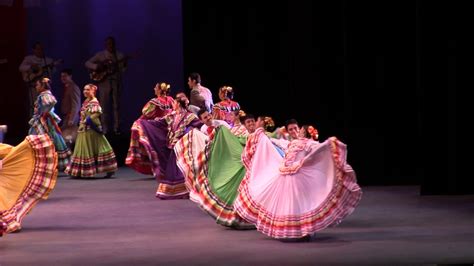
{"points": [[119, 221]]}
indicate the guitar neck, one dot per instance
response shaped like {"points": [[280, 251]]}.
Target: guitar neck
{"points": [[51, 64], [47, 66], [120, 60]]}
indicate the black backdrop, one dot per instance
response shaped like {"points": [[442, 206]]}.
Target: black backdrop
{"points": [[364, 71]]}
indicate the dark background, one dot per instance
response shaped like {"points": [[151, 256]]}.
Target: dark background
{"points": [[74, 31], [379, 75]]}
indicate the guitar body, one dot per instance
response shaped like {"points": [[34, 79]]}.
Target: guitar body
{"points": [[109, 67], [104, 70], [98, 76], [33, 75]]}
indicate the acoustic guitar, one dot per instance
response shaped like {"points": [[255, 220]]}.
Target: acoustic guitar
{"points": [[35, 73], [109, 67]]}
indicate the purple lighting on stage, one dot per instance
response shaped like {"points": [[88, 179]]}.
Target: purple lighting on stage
{"points": [[75, 31]]}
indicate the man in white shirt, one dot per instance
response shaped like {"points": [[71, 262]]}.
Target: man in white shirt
{"points": [[109, 65], [209, 122], [70, 106], [34, 67], [201, 97]]}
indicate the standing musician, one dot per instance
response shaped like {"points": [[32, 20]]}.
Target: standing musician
{"points": [[106, 69], [33, 68]]}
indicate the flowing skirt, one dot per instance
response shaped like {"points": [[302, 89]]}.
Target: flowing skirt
{"points": [[157, 158], [92, 155], [138, 156], [294, 204], [188, 159], [48, 125], [28, 174], [219, 171]]}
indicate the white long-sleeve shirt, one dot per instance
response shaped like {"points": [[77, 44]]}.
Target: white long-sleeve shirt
{"points": [[30, 60], [201, 97]]}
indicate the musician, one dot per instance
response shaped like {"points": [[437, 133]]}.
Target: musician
{"points": [[113, 63], [33, 68]]}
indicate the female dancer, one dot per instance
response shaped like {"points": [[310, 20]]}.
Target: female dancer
{"points": [[45, 121], [307, 190], [159, 138], [223, 109], [237, 128], [92, 153], [156, 108]]}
